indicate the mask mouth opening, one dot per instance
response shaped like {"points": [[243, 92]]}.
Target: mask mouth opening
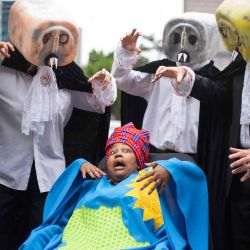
{"points": [[183, 57], [51, 60]]}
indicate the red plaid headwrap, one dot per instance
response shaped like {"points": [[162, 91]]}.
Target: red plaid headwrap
{"points": [[137, 139]]}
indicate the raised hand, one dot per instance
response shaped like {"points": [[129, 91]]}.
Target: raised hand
{"points": [[241, 162], [176, 73], [5, 47], [91, 170], [103, 76], [129, 41], [158, 175]]}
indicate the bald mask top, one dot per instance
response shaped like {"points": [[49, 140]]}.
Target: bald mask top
{"points": [[191, 38]]}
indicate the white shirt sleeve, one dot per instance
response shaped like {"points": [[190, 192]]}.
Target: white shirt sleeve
{"points": [[131, 81], [99, 100], [185, 87]]}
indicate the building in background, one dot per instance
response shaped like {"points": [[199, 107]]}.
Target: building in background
{"points": [[201, 6], [224, 57], [4, 16]]}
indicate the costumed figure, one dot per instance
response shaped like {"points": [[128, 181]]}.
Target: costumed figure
{"points": [[35, 109], [226, 98], [51, 38], [124, 209], [191, 39]]}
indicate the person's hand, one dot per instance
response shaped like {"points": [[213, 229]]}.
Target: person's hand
{"points": [[158, 175], [241, 162], [5, 47], [91, 170], [129, 41], [103, 76], [176, 73]]}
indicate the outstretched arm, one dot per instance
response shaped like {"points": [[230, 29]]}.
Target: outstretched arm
{"points": [[127, 79]]}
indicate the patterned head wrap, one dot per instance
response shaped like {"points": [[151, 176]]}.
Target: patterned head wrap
{"points": [[136, 139]]}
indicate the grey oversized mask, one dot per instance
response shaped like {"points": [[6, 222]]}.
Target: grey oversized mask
{"points": [[192, 38]]}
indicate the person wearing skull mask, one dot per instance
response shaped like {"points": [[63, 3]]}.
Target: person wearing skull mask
{"points": [[227, 96], [36, 102], [191, 39]]}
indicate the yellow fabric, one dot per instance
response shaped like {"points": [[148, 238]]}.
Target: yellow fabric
{"points": [[149, 204], [233, 19]]}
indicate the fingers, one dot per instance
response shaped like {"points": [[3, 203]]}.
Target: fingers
{"points": [[130, 39], [151, 164], [148, 183], [241, 169], [238, 163], [103, 76], [246, 176], [147, 175], [237, 155], [234, 150], [91, 170], [107, 79], [157, 176], [161, 71], [5, 47]]}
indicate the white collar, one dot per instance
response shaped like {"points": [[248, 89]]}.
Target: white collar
{"points": [[41, 102]]}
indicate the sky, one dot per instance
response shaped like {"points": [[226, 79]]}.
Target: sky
{"points": [[103, 23]]}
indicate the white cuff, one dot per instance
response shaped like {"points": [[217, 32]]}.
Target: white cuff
{"points": [[124, 58], [107, 96], [185, 87]]}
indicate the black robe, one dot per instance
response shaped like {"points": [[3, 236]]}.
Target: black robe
{"points": [[217, 114], [86, 132]]}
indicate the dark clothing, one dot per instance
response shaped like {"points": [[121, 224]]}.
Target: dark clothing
{"points": [[219, 127], [20, 212]]}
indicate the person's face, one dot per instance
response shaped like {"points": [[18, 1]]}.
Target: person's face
{"points": [[121, 162]]}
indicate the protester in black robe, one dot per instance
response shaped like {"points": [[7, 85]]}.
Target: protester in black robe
{"points": [[86, 132], [220, 97], [195, 53]]}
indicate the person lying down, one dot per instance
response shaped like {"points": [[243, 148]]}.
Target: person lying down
{"points": [[135, 205]]}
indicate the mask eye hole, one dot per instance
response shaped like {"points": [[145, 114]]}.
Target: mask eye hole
{"points": [[63, 38], [46, 37], [175, 38], [192, 39]]}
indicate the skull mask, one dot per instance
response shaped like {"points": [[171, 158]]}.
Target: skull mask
{"points": [[233, 19], [42, 32], [191, 38]]}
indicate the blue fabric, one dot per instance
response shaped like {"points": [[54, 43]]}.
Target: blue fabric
{"points": [[184, 205]]}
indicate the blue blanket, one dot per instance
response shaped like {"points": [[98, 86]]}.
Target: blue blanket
{"points": [[94, 214]]}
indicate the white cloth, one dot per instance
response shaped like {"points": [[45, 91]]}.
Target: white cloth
{"points": [[17, 150], [186, 86], [41, 103], [245, 110], [172, 120]]}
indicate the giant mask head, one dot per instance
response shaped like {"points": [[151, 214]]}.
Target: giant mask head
{"points": [[42, 32], [233, 19], [191, 38]]}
